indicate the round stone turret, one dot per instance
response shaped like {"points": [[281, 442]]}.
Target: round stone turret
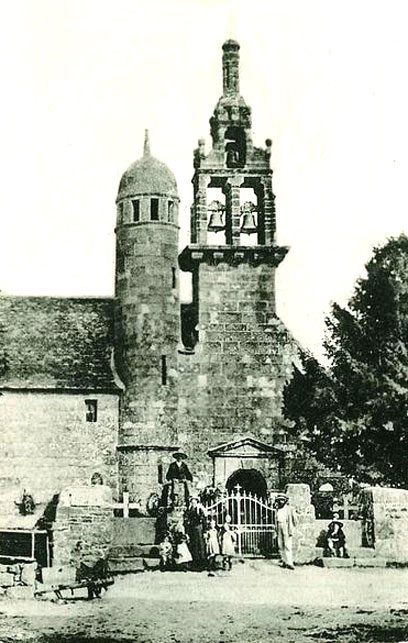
{"points": [[147, 328]]}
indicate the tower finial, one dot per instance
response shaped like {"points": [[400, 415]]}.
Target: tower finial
{"points": [[146, 146], [230, 67]]}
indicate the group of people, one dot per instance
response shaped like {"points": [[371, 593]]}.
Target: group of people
{"points": [[196, 543]]}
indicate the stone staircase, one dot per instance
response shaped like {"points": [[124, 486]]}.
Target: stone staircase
{"points": [[133, 547], [358, 556]]}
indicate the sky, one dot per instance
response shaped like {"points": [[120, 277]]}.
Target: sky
{"points": [[82, 79]]}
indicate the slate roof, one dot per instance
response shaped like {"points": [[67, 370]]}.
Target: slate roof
{"points": [[53, 342], [147, 175]]}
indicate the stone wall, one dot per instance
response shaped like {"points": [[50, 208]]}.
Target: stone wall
{"points": [[304, 536], [48, 444], [233, 384], [385, 522], [17, 579], [83, 527]]}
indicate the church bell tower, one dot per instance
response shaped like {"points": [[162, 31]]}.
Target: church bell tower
{"points": [[243, 212], [244, 352]]}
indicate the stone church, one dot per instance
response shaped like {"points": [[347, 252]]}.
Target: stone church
{"points": [[116, 385]]}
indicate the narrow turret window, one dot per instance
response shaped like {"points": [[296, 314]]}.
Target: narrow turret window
{"points": [[170, 212], [136, 210], [164, 370], [91, 410], [173, 278], [154, 209]]}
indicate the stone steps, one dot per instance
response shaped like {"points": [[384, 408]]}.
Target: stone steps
{"points": [[352, 562], [358, 557], [134, 550], [132, 564]]}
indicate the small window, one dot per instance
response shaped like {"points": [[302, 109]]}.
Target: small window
{"points": [[160, 477], [170, 212], [173, 278], [136, 210], [154, 209], [91, 410], [164, 370]]}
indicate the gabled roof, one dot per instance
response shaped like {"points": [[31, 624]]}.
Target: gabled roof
{"points": [[245, 447], [53, 342]]}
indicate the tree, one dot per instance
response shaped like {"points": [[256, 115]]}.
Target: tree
{"points": [[354, 415]]}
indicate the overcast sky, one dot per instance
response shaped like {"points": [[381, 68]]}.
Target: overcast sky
{"points": [[81, 79]]}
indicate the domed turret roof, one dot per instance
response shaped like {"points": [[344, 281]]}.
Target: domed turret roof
{"points": [[147, 175]]}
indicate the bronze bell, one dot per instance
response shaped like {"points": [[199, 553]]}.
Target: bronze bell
{"points": [[216, 223], [248, 223]]}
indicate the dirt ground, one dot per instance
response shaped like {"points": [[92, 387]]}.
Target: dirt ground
{"points": [[255, 602]]}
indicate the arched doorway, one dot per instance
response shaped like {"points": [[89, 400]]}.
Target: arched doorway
{"points": [[249, 480]]}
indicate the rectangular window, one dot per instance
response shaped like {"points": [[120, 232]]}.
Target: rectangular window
{"points": [[160, 477], [91, 410], [170, 212], [173, 278], [164, 370], [154, 209], [136, 210]]}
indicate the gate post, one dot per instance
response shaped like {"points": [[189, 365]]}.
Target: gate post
{"points": [[238, 499]]}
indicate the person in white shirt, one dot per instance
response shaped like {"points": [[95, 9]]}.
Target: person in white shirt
{"points": [[285, 523]]}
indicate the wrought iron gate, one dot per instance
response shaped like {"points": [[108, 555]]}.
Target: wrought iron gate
{"points": [[252, 517]]}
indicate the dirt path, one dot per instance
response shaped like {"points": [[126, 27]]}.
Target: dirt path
{"points": [[256, 602]]}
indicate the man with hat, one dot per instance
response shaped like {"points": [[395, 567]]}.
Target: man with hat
{"points": [[179, 471], [285, 522]]}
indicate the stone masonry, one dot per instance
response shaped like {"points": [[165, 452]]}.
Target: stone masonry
{"points": [[83, 527], [385, 522]]}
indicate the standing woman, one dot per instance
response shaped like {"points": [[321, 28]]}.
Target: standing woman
{"points": [[195, 522]]}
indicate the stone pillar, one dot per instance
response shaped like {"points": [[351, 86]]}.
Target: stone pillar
{"points": [[231, 190], [200, 229], [304, 538], [385, 522], [268, 214]]}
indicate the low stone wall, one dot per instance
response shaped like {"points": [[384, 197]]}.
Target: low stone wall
{"points": [[82, 531], [304, 536], [385, 522], [17, 579]]}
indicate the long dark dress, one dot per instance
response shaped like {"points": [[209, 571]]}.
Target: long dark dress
{"points": [[195, 522]]}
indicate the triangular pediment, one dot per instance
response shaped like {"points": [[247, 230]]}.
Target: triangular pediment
{"points": [[246, 447]]}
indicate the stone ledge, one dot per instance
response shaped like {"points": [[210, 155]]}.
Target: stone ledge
{"points": [[193, 255]]}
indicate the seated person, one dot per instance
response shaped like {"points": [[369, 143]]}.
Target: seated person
{"points": [[336, 539], [177, 471]]}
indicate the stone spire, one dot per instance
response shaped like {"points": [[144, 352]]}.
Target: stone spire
{"points": [[230, 67], [146, 146]]}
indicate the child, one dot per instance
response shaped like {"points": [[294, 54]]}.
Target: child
{"points": [[182, 557], [211, 542], [166, 553], [336, 538], [228, 540]]}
